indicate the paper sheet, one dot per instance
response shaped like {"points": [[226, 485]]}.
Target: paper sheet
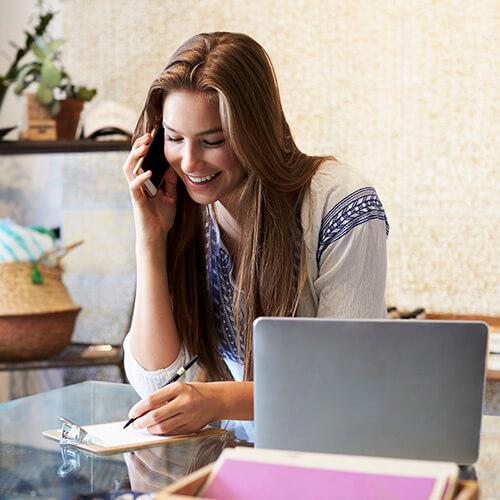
{"points": [[495, 342], [113, 434]]}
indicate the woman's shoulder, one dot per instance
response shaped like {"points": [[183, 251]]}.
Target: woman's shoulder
{"points": [[336, 178], [334, 181], [339, 199]]}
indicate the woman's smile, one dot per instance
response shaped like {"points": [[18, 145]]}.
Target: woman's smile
{"points": [[201, 181]]}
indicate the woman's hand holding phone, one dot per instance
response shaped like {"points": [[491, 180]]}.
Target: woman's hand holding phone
{"points": [[153, 217]]}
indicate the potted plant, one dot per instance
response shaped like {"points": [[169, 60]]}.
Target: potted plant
{"points": [[54, 90], [10, 75]]}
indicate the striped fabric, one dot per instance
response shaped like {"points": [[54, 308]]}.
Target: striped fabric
{"points": [[22, 244]]}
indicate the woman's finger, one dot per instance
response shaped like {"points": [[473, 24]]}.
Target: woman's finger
{"points": [[156, 416], [132, 159], [143, 139], [158, 410], [156, 399], [136, 184], [168, 426]]}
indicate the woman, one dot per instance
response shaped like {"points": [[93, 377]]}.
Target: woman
{"points": [[245, 226]]}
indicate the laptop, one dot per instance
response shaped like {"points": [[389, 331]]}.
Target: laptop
{"points": [[392, 388]]}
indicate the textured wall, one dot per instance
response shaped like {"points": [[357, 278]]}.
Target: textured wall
{"points": [[406, 91]]}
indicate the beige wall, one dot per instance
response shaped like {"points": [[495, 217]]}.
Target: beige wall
{"points": [[406, 91]]}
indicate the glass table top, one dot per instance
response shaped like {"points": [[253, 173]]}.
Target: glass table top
{"points": [[33, 466]]}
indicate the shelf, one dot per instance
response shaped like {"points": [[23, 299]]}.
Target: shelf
{"points": [[45, 147]]}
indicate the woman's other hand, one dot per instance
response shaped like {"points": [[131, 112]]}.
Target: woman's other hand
{"points": [[153, 217], [179, 408]]}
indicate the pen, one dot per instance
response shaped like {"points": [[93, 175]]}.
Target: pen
{"points": [[177, 375]]}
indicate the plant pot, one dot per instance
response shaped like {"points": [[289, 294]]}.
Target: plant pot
{"points": [[68, 117]]}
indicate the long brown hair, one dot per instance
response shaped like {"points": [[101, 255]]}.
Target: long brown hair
{"points": [[234, 71]]}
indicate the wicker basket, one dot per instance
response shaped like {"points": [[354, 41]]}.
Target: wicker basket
{"points": [[36, 320]]}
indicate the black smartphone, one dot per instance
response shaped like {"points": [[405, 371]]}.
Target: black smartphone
{"points": [[155, 161]]}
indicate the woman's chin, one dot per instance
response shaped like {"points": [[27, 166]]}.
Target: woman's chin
{"points": [[202, 199]]}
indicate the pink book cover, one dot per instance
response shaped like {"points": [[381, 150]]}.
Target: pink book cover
{"points": [[247, 480]]}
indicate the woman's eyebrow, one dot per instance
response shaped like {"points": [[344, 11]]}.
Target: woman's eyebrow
{"points": [[205, 132]]}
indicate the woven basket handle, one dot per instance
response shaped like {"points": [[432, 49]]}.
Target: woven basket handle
{"points": [[61, 251]]}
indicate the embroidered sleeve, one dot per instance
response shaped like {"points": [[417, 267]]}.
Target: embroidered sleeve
{"points": [[351, 258], [359, 207]]}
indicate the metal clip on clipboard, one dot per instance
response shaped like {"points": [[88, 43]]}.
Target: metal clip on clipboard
{"points": [[72, 433]]}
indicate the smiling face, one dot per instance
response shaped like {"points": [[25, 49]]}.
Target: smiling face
{"points": [[196, 149]]}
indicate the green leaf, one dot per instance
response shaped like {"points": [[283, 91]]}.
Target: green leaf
{"points": [[54, 45], [36, 275], [44, 22], [38, 52], [24, 71], [44, 94], [54, 108], [85, 93], [29, 40], [19, 89], [41, 44], [50, 74]]}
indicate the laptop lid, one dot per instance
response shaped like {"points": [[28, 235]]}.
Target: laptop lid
{"points": [[394, 388]]}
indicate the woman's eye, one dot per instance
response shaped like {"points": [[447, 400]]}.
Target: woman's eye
{"points": [[214, 144], [209, 144]]}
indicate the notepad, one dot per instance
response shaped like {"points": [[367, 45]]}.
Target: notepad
{"points": [[243, 474], [113, 434], [113, 438]]}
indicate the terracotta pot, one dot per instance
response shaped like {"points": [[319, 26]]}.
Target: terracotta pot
{"points": [[68, 117]]}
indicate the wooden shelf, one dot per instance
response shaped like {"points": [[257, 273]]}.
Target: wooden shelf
{"points": [[45, 147]]}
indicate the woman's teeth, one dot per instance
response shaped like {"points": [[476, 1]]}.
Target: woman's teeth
{"points": [[200, 180]]}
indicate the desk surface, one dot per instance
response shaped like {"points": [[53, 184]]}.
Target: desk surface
{"points": [[32, 465]]}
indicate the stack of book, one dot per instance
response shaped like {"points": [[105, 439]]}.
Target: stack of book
{"points": [[248, 474]]}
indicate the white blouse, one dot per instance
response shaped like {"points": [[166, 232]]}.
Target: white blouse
{"points": [[345, 230]]}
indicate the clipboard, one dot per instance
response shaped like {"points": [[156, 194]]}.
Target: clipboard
{"points": [[97, 449]]}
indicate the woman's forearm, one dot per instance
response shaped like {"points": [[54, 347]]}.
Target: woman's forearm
{"points": [[153, 337], [233, 400]]}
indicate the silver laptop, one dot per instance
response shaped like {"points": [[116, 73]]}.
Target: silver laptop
{"points": [[394, 388]]}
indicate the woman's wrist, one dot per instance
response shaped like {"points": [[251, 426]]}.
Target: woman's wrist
{"points": [[152, 246], [230, 400]]}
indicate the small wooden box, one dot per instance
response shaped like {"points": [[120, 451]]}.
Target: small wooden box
{"points": [[39, 124], [41, 130], [189, 487]]}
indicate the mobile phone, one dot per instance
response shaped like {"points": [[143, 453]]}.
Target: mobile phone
{"points": [[155, 161]]}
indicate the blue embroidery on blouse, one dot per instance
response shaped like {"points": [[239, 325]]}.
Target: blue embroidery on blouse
{"points": [[361, 206], [221, 291]]}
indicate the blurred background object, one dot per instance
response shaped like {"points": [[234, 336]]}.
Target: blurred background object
{"points": [[53, 111], [108, 120], [37, 315]]}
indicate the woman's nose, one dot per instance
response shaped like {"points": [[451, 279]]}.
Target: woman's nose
{"points": [[190, 159]]}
